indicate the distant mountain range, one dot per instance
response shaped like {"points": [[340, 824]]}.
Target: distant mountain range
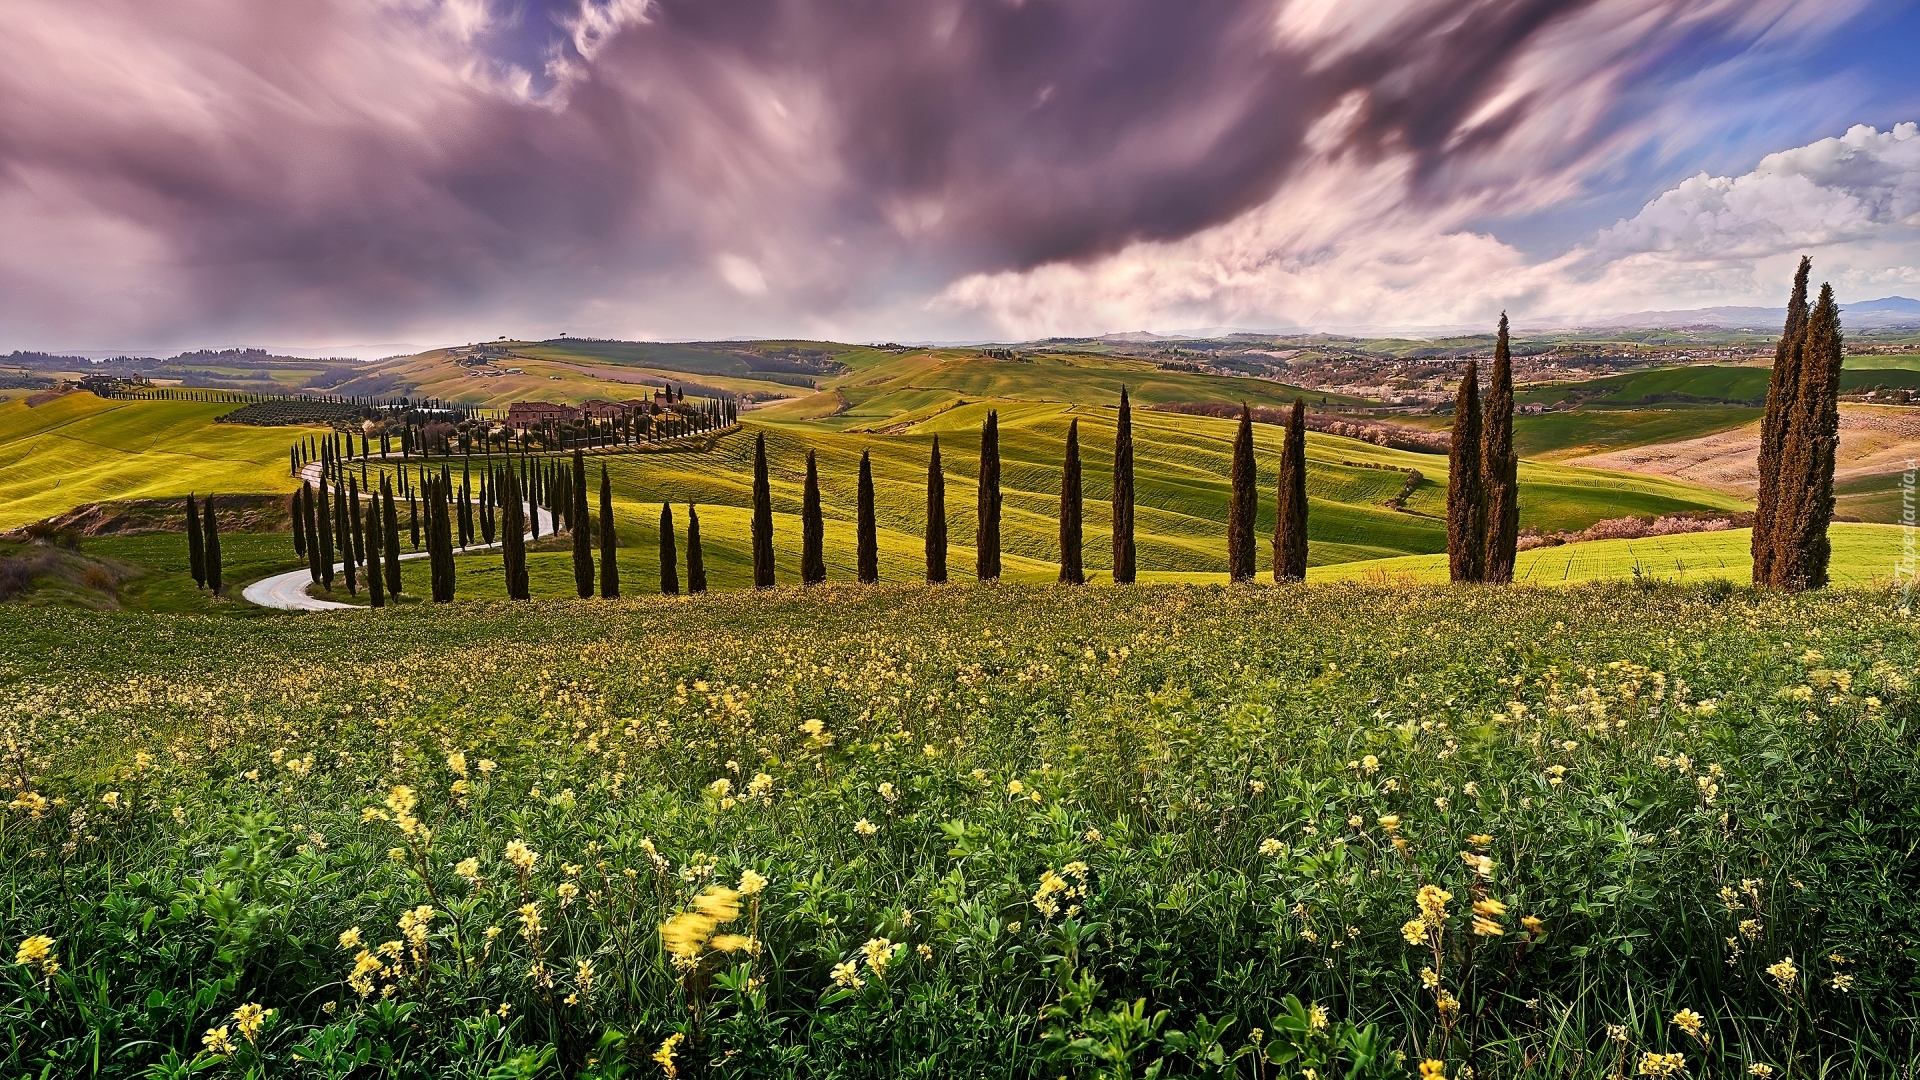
{"points": [[1866, 315]]}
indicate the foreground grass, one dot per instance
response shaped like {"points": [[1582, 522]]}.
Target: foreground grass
{"points": [[991, 820]]}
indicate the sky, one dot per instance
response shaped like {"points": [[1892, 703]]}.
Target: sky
{"points": [[357, 174]]}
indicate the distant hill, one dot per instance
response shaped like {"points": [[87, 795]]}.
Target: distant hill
{"points": [[1866, 315]]}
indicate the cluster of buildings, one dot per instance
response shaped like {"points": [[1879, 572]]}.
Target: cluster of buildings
{"points": [[528, 415]]}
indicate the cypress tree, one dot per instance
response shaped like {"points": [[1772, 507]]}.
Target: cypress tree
{"points": [[441, 505], [297, 514], [1123, 553], [343, 525], [196, 545], [986, 543], [813, 561], [390, 531], [762, 517], [323, 515], [359, 525], [211, 539], [513, 544], [489, 497], [669, 557], [1466, 499], [313, 533], [1499, 468], [1782, 387], [936, 518], [582, 532], [376, 593], [696, 564], [413, 516], [1803, 507], [1071, 572], [1290, 505], [867, 539], [1244, 508], [609, 540]]}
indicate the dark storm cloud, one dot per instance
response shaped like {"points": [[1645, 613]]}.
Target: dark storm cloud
{"points": [[316, 163]]}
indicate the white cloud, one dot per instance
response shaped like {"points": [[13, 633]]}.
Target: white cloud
{"points": [[1347, 244]]}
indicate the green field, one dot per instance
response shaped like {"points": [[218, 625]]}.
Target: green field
{"points": [[80, 449], [961, 832], [1560, 435], [1863, 555], [1181, 465]]}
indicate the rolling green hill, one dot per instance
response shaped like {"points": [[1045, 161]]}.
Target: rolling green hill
{"points": [[80, 448]]}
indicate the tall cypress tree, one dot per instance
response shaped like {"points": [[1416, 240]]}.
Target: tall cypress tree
{"points": [[211, 539], [936, 518], [343, 526], [357, 527], [308, 512], [390, 531], [323, 514], [1803, 507], [1290, 504], [1466, 499], [669, 555], [413, 516], [297, 516], [609, 540], [1071, 572], [867, 537], [513, 542], [442, 507], [376, 591], [1123, 553], [1244, 509], [1499, 468], [196, 545], [986, 543], [1783, 385], [813, 560], [762, 517], [696, 563], [582, 533]]}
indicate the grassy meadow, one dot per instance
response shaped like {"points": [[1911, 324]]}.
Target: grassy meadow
{"points": [[994, 832], [79, 448]]}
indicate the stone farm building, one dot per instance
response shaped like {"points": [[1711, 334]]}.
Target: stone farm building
{"points": [[527, 415]]}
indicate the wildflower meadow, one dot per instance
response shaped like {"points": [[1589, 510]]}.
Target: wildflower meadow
{"points": [[1305, 831]]}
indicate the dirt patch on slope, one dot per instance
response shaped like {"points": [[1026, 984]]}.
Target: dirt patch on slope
{"points": [[129, 517], [1874, 441]]}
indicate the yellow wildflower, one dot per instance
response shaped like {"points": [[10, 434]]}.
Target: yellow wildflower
{"points": [[521, 856], [663, 1057], [865, 827], [1688, 1021], [751, 883], [350, 938], [251, 1018], [1784, 972], [1433, 1069], [217, 1042]]}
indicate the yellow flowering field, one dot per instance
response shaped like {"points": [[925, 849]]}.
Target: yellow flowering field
{"points": [[1336, 830]]}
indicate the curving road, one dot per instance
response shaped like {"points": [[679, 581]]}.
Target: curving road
{"points": [[288, 591]]}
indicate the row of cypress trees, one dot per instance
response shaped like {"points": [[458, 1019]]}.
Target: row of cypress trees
{"points": [[366, 531], [1799, 434], [1289, 536], [203, 545], [1483, 485]]}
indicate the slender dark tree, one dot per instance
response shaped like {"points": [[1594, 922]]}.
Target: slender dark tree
{"points": [[513, 538], [813, 529], [582, 533], [986, 543], [1466, 499], [356, 527], [866, 535], [609, 540], [936, 518], [390, 531], [1071, 572], [324, 514], [1244, 509], [1499, 468], [211, 538], [413, 516], [1123, 554], [307, 511], [1782, 388], [196, 545], [1290, 505], [696, 563], [669, 554], [489, 500], [762, 517], [1804, 505], [439, 504], [376, 588], [343, 528], [299, 522]]}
